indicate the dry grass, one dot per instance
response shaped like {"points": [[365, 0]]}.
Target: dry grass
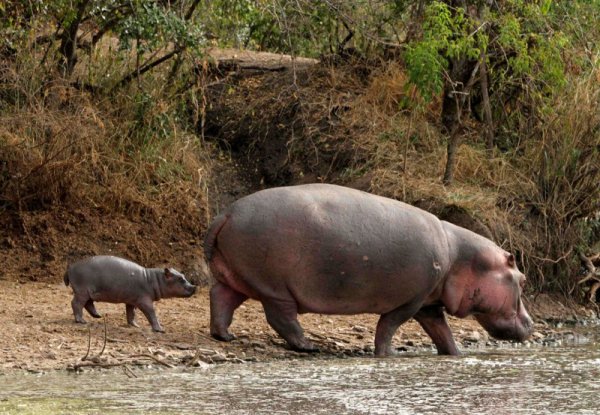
{"points": [[82, 174], [59, 148]]}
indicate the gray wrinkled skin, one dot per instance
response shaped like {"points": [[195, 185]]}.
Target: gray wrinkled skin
{"points": [[117, 280], [333, 250]]}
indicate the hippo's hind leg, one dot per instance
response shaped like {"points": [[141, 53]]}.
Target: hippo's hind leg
{"points": [[130, 311], [433, 321], [223, 302], [388, 324], [282, 315], [89, 306]]}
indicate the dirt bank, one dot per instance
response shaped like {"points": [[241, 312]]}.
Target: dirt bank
{"points": [[39, 332]]}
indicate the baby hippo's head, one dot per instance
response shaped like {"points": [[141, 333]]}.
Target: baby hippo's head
{"points": [[176, 285]]}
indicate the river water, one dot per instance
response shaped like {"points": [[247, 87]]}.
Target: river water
{"points": [[563, 379]]}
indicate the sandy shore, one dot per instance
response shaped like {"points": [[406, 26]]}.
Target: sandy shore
{"points": [[40, 334]]}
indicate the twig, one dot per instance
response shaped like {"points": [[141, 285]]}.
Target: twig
{"points": [[105, 330], [89, 343], [99, 364], [129, 372], [196, 358], [593, 292], [593, 273], [156, 359]]}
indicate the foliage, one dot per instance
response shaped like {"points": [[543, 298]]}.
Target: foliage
{"points": [[446, 35]]}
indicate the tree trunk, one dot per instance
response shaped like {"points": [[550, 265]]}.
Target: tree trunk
{"points": [[487, 108], [68, 45], [453, 142], [462, 75], [457, 88]]}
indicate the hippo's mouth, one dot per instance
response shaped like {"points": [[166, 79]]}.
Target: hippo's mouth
{"points": [[191, 291], [518, 327]]}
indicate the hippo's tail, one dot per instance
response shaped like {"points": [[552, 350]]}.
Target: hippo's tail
{"points": [[66, 278], [210, 239]]}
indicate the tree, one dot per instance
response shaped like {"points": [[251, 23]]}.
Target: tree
{"points": [[483, 56], [155, 30]]}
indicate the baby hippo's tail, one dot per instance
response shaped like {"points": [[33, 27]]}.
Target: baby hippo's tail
{"points": [[66, 278]]}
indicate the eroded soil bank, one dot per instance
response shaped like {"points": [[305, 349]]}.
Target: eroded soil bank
{"points": [[39, 332]]}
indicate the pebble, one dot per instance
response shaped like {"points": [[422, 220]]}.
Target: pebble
{"points": [[473, 337], [359, 329]]}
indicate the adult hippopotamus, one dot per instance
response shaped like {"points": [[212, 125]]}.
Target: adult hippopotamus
{"points": [[117, 280], [328, 249]]}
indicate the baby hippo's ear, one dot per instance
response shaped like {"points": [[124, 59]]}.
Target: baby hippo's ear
{"points": [[168, 274]]}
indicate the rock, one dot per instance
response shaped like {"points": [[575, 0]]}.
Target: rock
{"points": [[537, 335], [201, 365], [218, 357], [359, 329], [473, 337]]}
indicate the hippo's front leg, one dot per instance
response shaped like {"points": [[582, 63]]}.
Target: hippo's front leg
{"points": [[148, 309], [388, 324], [433, 321]]}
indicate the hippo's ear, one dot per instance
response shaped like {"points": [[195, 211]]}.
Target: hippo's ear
{"points": [[510, 259], [168, 274]]}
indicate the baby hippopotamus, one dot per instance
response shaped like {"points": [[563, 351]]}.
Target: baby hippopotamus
{"points": [[117, 280]]}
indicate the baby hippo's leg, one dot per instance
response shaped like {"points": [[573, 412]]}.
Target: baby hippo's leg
{"points": [[78, 303], [147, 308], [130, 310], [89, 306]]}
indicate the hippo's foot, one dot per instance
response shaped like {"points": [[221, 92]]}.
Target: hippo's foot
{"points": [[227, 337], [385, 352], [133, 324], [80, 320], [158, 329], [306, 347]]}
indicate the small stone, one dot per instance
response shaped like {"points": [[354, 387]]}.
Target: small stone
{"points": [[359, 329], [201, 365], [537, 335], [218, 357], [473, 337]]}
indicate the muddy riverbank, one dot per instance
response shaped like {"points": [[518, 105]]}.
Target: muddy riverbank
{"points": [[39, 333]]}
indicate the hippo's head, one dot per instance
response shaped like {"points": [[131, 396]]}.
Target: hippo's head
{"points": [[176, 285], [489, 286]]}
